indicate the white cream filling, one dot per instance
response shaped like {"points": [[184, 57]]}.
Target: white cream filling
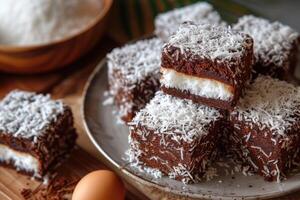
{"points": [[21, 161], [203, 87]]}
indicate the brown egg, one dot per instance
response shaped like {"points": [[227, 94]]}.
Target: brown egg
{"points": [[99, 185]]}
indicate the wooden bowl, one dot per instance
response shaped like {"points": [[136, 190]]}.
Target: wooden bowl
{"points": [[54, 55]]}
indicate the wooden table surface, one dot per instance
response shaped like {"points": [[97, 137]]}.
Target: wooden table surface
{"points": [[66, 84]]}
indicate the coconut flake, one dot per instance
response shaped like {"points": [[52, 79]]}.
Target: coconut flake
{"points": [[216, 43]]}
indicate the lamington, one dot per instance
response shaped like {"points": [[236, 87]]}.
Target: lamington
{"points": [[266, 125], [275, 46], [167, 23], [133, 75], [36, 133], [207, 64], [174, 136]]}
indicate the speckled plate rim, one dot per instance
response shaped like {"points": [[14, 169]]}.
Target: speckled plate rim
{"points": [[127, 174]]}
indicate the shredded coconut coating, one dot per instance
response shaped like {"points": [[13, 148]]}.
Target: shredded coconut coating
{"points": [[273, 41], [215, 43], [136, 61], [182, 118], [27, 115], [167, 23], [270, 103], [132, 71]]}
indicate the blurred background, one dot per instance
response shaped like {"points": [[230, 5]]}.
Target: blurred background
{"points": [[133, 18]]}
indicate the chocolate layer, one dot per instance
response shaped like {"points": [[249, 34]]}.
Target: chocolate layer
{"points": [[130, 100], [268, 155], [216, 103], [171, 155]]}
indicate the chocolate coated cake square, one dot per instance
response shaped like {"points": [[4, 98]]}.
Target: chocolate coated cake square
{"points": [[207, 64], [275, 46], [133, 75], [35, 132], [266, 125], [167, 23], [175, 136]]}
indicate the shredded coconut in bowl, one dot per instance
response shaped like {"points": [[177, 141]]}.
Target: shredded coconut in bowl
{"points": [[31, 22]]}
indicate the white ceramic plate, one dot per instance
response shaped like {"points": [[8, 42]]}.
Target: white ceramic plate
{"points": [[110, 139]]}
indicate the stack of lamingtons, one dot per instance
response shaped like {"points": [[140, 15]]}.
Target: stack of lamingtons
{"points": [[220, 91]]}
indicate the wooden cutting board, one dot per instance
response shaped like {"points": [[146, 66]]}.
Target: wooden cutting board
{"points": [[76, 166], [14, 186]]}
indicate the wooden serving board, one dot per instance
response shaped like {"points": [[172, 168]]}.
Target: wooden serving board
{"points": [[14, 186], [76, 166]]}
